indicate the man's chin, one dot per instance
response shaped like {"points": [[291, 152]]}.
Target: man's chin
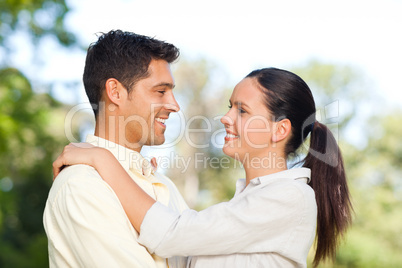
{"points": [[157, 141]]}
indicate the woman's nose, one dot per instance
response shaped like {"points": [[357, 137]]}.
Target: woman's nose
{"points": [[227, 120]]}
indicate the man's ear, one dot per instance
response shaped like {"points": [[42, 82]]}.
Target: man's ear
{"points": [[115, 91], [282, 130]]}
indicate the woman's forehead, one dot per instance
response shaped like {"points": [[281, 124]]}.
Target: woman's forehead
{"points": [[246, 90]]}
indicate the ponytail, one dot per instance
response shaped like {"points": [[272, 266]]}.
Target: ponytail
{"points": [[286, 95], [332, 195]]}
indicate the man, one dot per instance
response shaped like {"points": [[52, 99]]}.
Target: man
{"points": [[128, 81]]}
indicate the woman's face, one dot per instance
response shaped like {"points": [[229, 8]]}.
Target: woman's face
{"points": [[247, 123]]}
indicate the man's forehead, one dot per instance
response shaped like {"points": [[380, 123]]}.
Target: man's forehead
{"points": [[159, 75]]}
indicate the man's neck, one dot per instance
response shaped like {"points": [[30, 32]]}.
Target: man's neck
{"points": [[113, 134]]}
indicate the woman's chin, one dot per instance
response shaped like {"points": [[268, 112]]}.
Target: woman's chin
{"points": [[231, 152]]}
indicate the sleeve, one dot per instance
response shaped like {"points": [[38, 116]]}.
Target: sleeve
{"points": [[88, 227], [261, 221]]}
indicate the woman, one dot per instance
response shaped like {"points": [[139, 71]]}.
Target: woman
{"points": [[276, 212]]}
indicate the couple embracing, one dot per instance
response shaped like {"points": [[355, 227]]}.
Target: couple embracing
{"points": [[108, 207]]}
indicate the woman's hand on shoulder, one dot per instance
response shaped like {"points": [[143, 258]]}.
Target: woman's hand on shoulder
{"points": [[77, 153]]}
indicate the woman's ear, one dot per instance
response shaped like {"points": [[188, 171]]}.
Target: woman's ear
{"points": [[282, 130], [115, 91]]}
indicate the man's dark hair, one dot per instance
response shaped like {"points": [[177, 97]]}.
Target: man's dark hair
{"points": [[124, 56]]}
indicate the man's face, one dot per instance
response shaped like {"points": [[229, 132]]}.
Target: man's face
{"points": [[148, 106]]}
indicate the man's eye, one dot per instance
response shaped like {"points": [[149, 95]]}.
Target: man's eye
{"points": [[162, 92], [241, 110]]}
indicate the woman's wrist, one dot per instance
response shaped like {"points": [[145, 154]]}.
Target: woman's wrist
{"points": [[100, 157]]}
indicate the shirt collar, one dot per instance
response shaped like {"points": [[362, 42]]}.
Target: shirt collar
{"points": [[294, 173], [129, 159], [240, 185], [303, 174]]}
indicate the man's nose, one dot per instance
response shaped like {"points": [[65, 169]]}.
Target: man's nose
{"points": [[171, 104]]}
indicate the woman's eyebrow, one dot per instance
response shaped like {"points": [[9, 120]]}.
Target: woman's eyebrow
{"points": [[239, 103]]}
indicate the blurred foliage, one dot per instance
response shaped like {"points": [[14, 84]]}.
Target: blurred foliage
{"points": [[38, 18], [28, 147], [376, 175], [31, 133], [339, 91]]}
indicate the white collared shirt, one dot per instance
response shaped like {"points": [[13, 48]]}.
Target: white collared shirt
{"points": [[86, 224], [269, 223]]}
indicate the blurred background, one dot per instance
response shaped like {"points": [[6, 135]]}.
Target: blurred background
{"points": [[349, 52]]}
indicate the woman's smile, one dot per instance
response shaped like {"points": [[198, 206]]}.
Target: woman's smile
{"points": [[230, 136]]}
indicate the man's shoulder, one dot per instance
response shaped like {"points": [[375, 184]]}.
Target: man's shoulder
{"points": [[75, 177], [76, 172]]}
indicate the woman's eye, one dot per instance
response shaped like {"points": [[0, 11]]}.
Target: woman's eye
{"points": [[162, 92], [241, 110]]}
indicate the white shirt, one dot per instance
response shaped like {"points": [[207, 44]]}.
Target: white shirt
{"points": [[269, 223], [86, 224]]}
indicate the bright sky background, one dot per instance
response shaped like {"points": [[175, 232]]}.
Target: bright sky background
{"points": [[244, 35]]}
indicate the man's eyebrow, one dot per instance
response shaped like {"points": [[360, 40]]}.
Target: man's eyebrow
{"points": [[163, 84]]}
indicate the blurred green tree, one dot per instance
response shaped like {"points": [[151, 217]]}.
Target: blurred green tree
{"points": [[31, 131], [37, 18], [376, 173], [340, 91], [28, 146]]}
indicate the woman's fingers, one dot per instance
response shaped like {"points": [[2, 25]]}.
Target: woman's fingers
{"points": [[154, 164], [58, 165], [72, 154]]}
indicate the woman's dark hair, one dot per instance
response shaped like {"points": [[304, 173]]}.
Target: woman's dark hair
{"points": [[286, 95], [124, 56]]}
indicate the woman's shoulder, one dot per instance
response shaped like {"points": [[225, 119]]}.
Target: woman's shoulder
{"points": [[292, 190]]}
